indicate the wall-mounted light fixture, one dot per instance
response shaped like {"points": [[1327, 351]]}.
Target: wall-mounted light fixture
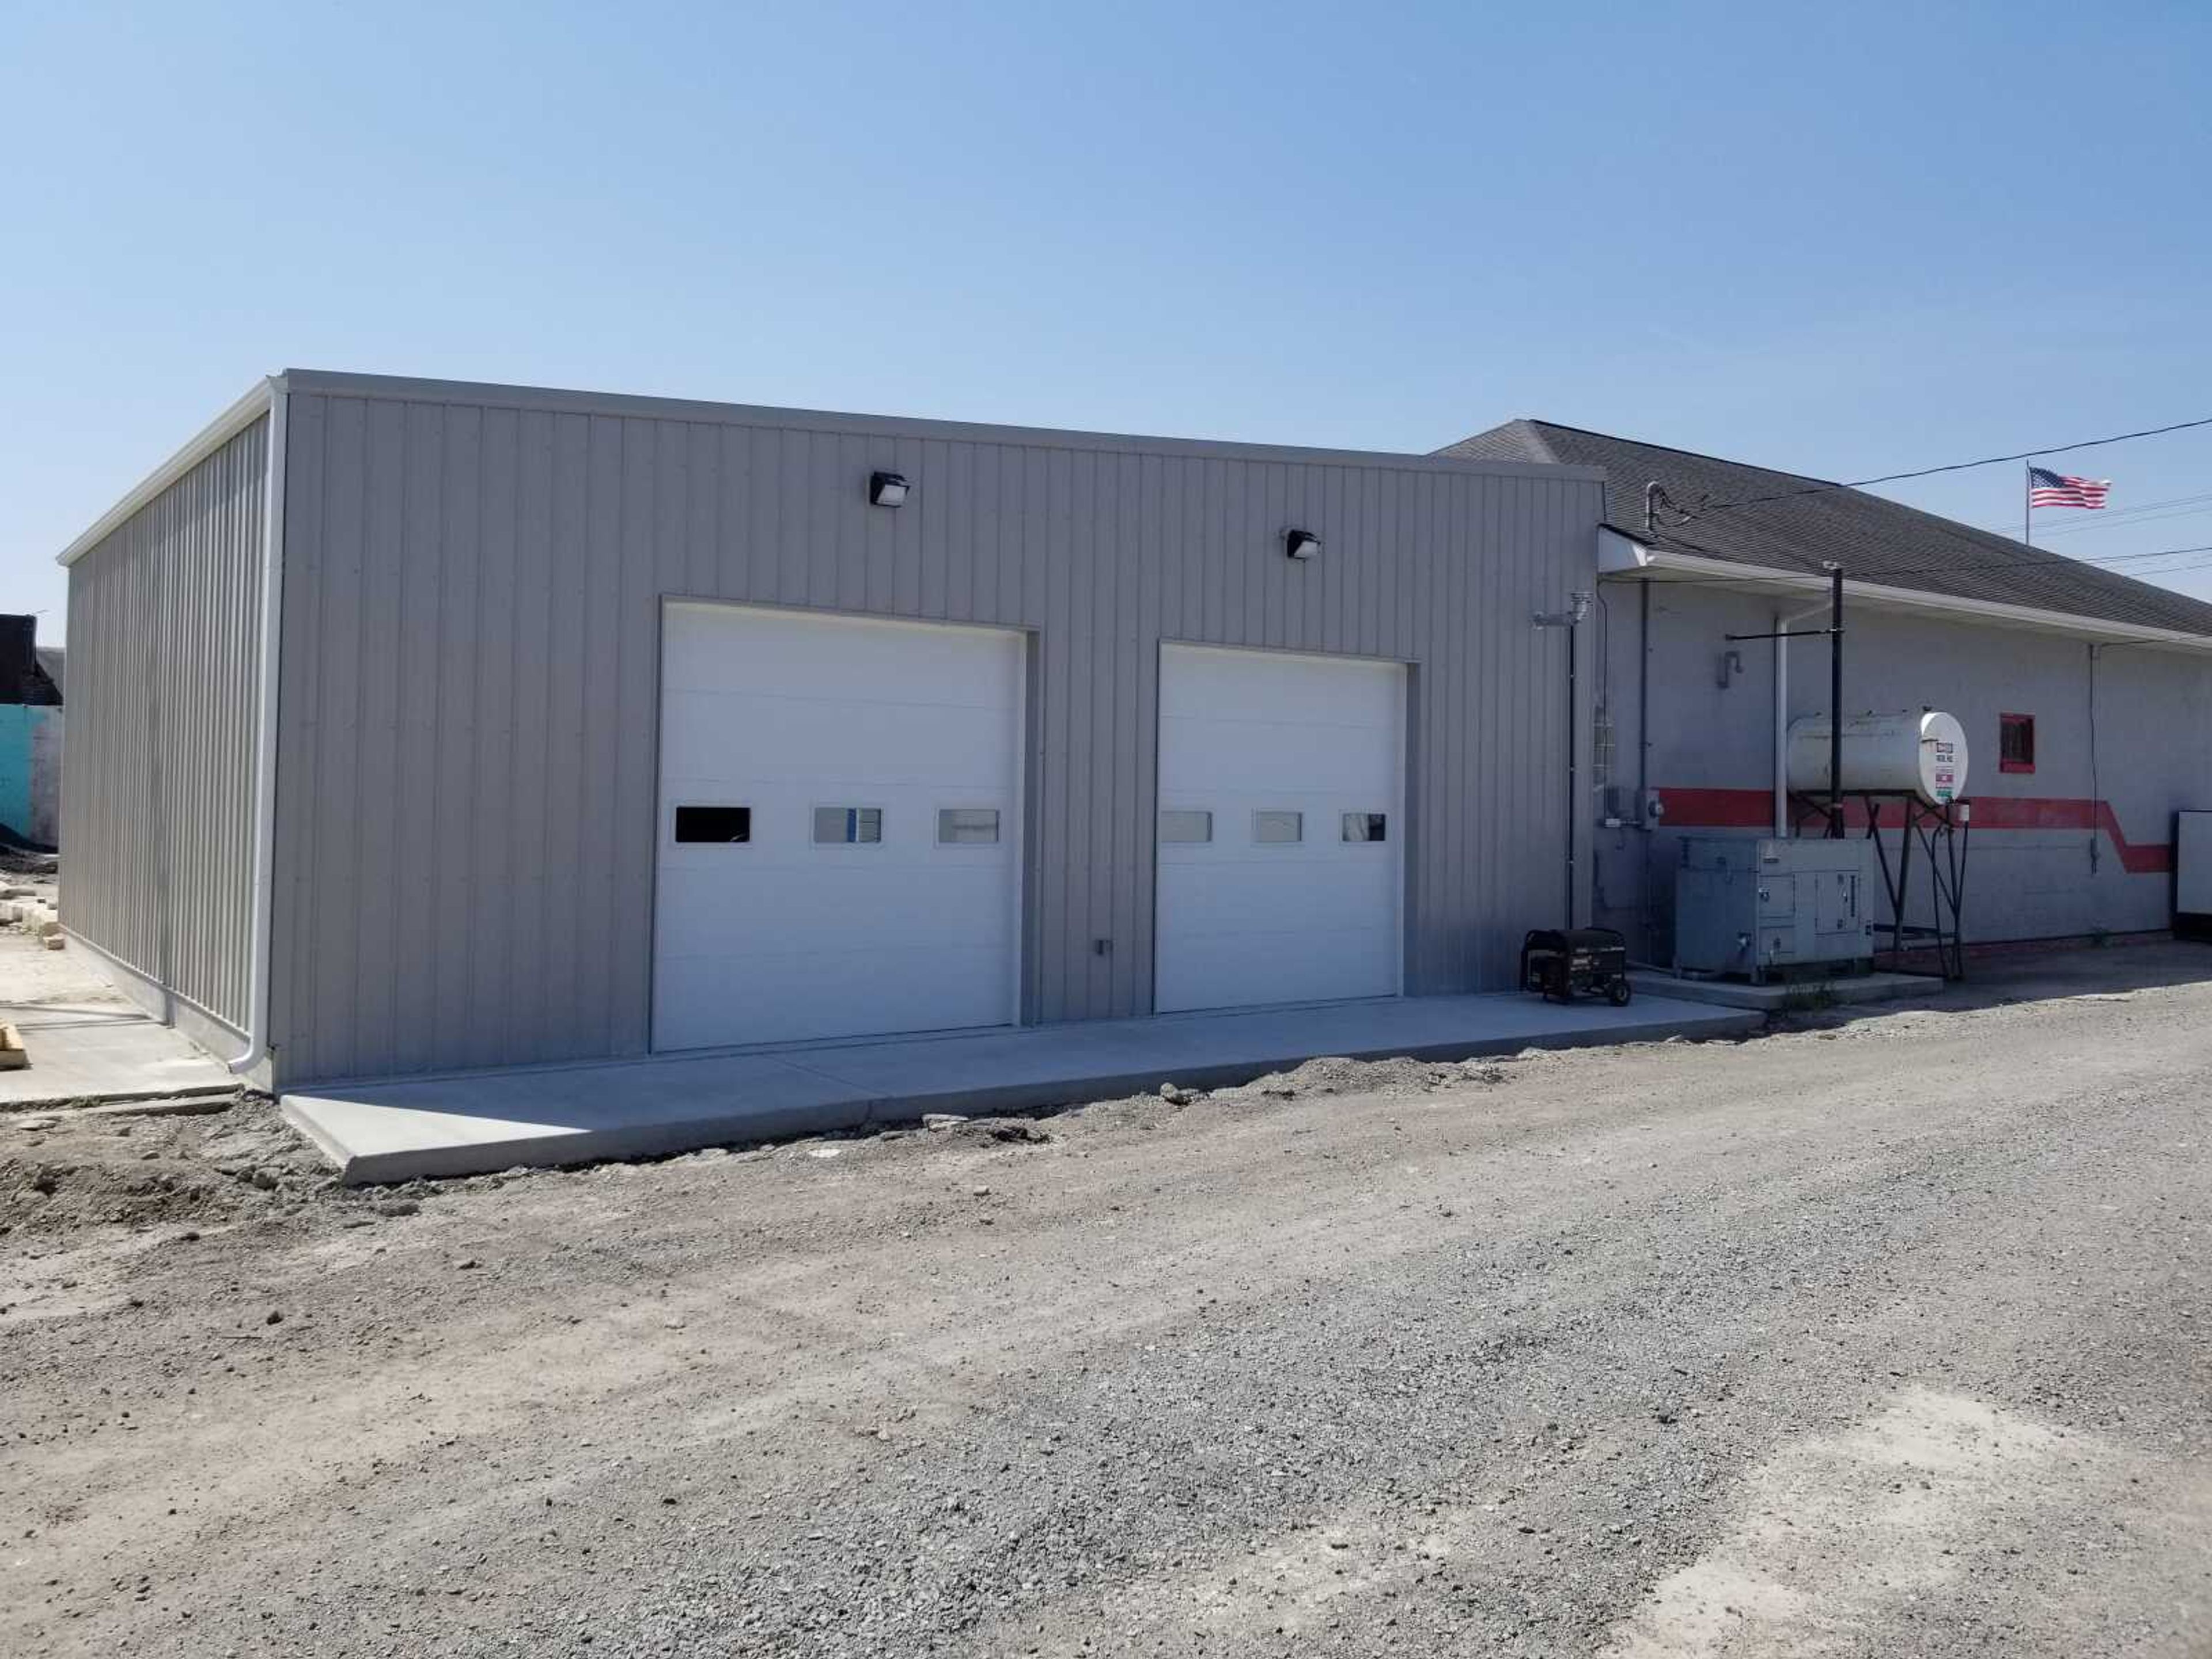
{"points": [[887, 489], [1301, 543]]}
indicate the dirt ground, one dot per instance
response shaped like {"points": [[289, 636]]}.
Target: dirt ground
{"points": [[1880, 1336]]}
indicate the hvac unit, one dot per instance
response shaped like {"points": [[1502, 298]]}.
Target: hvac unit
{"points": [[1755, 907]]}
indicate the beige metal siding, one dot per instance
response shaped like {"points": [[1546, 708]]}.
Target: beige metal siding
{"points": [[164, 701], [473, 583]]}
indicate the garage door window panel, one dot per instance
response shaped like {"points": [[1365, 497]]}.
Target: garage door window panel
{"points": [[967, 826], [1186, 827], [714, 825], [848, 826]]}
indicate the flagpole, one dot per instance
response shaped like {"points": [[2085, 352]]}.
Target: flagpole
{"points": [[2028, 502]]}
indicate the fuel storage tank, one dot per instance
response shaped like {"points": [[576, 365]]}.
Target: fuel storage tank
{"points": [[1922, 754]]}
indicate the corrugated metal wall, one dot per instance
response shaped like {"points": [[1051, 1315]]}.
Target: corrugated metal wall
{"points": [[473, 582], [157, 796]]}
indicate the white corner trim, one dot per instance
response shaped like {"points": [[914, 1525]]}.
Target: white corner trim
{"points": [[270, 631], [1620, 556], [210, 438]]}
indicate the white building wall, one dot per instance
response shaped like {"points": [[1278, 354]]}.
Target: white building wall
{"points": [[2046, 860]]}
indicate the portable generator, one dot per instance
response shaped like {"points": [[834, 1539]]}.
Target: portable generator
{"points": [[1558, 963]]}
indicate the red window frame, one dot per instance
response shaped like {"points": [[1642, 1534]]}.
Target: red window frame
{"points": [[2025, 725]]}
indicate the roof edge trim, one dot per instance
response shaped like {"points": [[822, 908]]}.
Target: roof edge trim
{"points": [[562, 400], [257, 401], [1622, 556]]}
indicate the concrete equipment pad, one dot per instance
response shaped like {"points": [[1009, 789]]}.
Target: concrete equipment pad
{"points": [[103, 1051], [1772, 998], [474, 1123]]}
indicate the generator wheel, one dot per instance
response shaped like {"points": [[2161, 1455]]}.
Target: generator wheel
{"points": [[1619, 993]]}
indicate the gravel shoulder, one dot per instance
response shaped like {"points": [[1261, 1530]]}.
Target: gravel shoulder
{"points": [[1884, 1334]]}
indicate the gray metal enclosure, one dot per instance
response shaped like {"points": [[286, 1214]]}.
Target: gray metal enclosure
{"points": [[164, 690], [473, 579]]}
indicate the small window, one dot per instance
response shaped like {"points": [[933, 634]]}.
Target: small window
{"points": [[1182, 826], [714, 823], [2016, 743], [1365, 826], [847, 826], [967, 826], [1277, 829]]}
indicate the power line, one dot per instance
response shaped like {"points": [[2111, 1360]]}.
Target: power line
{"points": [[2174, 506], [2100, 559], [2198, 512], [1956, 466]]}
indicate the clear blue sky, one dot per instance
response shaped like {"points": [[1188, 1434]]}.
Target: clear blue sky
{"points": [[1842, 239]]}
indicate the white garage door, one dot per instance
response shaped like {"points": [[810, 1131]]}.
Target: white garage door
{"points": [[839, 816], [1280, 829]]}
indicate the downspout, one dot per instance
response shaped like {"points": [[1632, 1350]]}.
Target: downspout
{"points": [[1783, 624], [1574, 784], [1646, 919], [1781, 728], [1578, 606], [264, 743], [1643, 701], [2096, 789]]}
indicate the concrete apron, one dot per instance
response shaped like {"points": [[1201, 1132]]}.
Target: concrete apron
{"points": [[472, 1123], [85, 1052]]}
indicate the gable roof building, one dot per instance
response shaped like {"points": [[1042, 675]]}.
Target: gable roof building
{"points": [[2084, 696], [1786, 523]]}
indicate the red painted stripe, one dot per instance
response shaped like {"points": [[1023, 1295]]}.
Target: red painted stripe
{"points": [[1718, 808], [1753, 809]]}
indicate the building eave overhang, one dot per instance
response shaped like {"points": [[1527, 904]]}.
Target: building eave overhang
{"points": [[1622, 557]]}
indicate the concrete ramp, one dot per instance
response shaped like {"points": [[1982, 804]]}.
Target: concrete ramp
{"points": [[473, 1122]]}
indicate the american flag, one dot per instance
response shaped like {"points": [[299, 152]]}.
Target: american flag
{"points": [[2047, 488]]}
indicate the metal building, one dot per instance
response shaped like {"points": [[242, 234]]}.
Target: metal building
{"points": [[422, 726]]}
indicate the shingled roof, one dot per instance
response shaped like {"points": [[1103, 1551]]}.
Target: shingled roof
{"points": [[1874, 539]]}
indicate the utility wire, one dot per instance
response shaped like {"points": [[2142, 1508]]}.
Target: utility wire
{"points": [[1956, 466], [2177, 507]]}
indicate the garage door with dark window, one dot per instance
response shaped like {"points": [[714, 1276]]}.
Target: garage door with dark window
{"points": [[840, 803], [1281, 828]]}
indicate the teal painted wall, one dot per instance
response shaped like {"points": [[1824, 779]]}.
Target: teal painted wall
{"points": [[20, 726]]}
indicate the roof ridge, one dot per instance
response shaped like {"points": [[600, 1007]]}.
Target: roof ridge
{"points": [[1536, 436], [1800, 521], [1694, 454]]}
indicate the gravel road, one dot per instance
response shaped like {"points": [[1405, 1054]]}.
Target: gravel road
{"points": [[1879, 1336]]}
